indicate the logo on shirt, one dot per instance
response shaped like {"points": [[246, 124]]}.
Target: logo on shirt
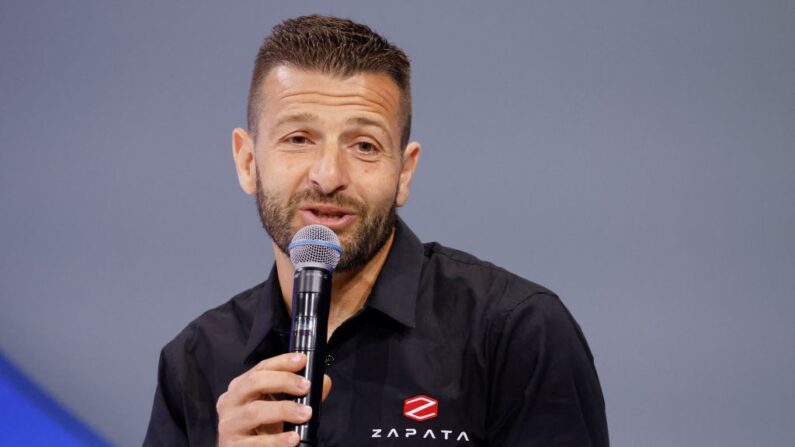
{"points": [[420, 408]]}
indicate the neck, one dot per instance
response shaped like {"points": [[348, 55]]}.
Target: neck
{"points": [[349, 289]]}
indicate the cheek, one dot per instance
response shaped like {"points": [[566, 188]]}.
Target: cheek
{"points": [[280, 176], [378, 186]]}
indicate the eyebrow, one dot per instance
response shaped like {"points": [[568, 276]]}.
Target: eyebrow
{"points": [[364, 121], [302, 117]]}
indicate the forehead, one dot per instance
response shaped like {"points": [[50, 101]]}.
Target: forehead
{"points": [[288, 89]]}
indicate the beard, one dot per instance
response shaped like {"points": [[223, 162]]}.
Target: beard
{"points": [[368, 235]]}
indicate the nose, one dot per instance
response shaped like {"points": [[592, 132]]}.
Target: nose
{"points": [[329, 172]]}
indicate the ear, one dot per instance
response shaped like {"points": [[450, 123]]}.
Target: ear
{"points": [[243, 152], [411, 156]]}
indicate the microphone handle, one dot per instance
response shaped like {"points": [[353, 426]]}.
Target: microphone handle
{"points": [[311, 300]]}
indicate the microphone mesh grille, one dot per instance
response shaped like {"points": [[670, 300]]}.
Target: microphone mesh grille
{"points": [[315, 244]]}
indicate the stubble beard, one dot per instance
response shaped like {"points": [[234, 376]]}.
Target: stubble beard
{"points": [[368, 237]]}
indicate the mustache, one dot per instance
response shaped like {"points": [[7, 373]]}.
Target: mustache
{"points": [[335, 199]]}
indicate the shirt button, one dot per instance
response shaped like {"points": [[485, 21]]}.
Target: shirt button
{"points": [[329, 359]]}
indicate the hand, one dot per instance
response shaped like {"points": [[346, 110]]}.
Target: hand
{"points": [[248, 413]]}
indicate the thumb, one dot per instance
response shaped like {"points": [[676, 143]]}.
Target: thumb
{"points": [[326, 385]]}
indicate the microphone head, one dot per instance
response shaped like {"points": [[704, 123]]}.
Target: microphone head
{"points": [[315, 246]]}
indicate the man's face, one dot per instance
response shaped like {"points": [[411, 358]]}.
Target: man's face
{"points": [[327, 151]]}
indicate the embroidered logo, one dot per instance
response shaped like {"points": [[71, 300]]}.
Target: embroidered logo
{"points": [[420, 408]]}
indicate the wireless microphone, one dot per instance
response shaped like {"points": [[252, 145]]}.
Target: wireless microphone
{"points": [[315, 251]]}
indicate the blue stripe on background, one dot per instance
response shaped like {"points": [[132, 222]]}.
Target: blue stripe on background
{"points": [[29, 417]]}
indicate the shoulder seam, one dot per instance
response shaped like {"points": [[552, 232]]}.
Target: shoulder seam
{"points": [[477, 262], [509, 311]]}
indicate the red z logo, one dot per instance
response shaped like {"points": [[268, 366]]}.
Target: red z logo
{"points": [[420, 408]]}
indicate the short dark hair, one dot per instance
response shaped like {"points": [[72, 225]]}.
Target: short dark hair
{"points": [[335, 46]]}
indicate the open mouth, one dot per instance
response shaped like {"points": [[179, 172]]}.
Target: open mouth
{"points": [[327, 215]]}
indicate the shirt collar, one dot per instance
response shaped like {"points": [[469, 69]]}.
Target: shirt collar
{"points": [[270, 313], [395, 290], [394, 293]]}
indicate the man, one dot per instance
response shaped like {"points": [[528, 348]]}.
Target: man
{"points": [[427, 345]]}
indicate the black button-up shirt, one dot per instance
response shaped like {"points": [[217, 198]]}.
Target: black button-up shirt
{"points": [[449, 350]]}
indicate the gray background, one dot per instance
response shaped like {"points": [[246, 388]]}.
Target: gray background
{"points": [[636, 157]]}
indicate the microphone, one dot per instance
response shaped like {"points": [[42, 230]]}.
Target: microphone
{"points": [[315, 251]]}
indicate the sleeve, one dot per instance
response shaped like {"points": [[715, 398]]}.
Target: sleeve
{"points": [[544, 390], [167, 422]]}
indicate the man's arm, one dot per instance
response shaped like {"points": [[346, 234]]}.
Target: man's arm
{"points": [[544, 387], [167, 422]]}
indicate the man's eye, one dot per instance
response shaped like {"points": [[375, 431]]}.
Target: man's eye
{"points": [[366, 147], [297, 139]]}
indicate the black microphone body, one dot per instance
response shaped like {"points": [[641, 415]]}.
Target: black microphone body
{"points": [[311, 300]]}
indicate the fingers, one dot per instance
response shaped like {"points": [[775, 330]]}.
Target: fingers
{"points": [[270, 376], [288, 439], [248, 414], [269, 382], [291, 361], [267, 415]]}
